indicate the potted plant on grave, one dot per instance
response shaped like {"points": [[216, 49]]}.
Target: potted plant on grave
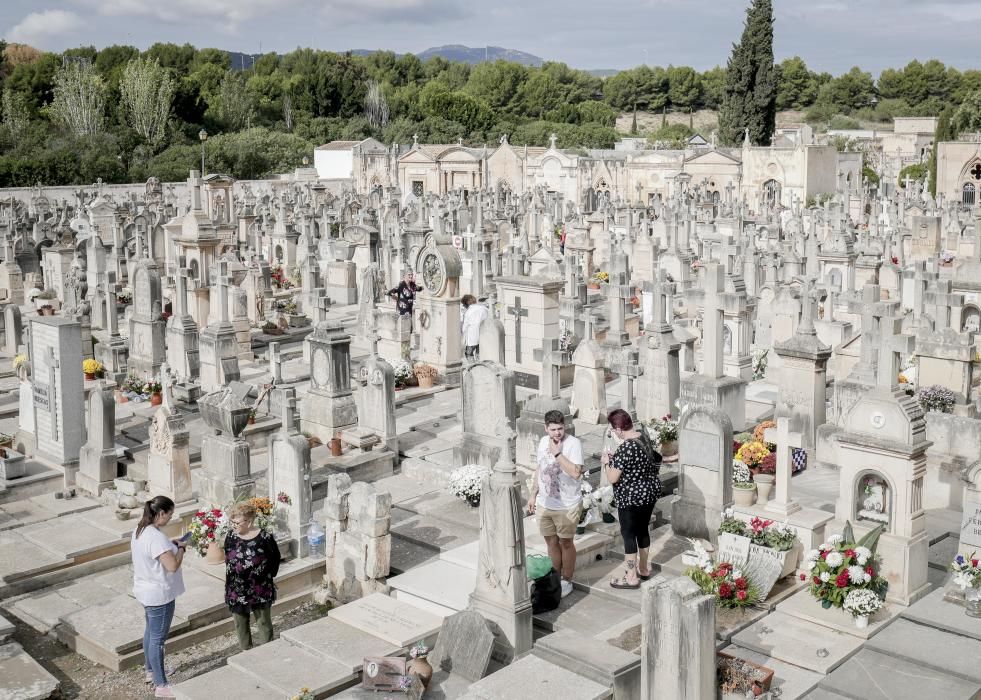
{"points": [[782, 539], [18, 362], [403, 374], [842, 565], [425, 374], [418, 665], [743, 488], [252, 417], [92, 369], [760, 360], [270, 328], [466, 482], [936, 399], [124, 298], [862, 604], [45, 300], [946, 258], [664, 432], [599, 278], [6, 441], [967, 577], [153, 389], [599, 503]]}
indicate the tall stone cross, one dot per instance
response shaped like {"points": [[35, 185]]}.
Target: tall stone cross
{"points": [[505, 433], [222, 287], [943, 302], [663, 298], [180, 292], [809, 297], [786, 443], [712, 321], [112, 320], [290, 414], [891, 345], [553, 357], [518, 312]]}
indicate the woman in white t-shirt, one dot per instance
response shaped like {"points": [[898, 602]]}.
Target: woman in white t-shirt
{"points": [[157, 581]]}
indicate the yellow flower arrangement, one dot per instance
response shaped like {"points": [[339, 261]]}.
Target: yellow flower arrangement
{"points": [[92, 366], [902, 379], [19, 361], [752, 453], [760, 430]]}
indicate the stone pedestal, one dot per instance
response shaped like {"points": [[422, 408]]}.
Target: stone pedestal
{"points": [[727, 394], [342, 282], [329, 405], [530, 313], [169, 464], [227, 475], [803, 386], [658, 387], [589, 383], [218, 352], [437, 322], [147, 347], [182, 346]]}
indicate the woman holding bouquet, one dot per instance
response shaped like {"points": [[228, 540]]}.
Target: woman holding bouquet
{"points": [[632, 471], [251, 563]]}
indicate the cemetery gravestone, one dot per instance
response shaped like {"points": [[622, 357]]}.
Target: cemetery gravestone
{"points": [[705, 476]]}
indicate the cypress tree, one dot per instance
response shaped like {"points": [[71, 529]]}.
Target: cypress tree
{"points": [[945, 131], [749, 99]]}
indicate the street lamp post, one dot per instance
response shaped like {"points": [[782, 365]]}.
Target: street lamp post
{"points": [[203, 135]]}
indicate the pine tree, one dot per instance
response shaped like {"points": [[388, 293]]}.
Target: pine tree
{"points": [[633, 123], [749, 99], [945, 131]]}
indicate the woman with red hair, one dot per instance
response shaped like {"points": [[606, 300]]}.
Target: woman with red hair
{"points": [[632, 470]]}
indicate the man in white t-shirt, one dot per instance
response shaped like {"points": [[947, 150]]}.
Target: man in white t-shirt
{"points": [[555, 491]]}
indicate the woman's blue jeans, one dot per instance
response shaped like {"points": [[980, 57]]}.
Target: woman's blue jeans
{"points": [[158, 619]]}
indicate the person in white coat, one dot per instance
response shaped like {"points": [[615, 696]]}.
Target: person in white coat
{"points": [[474, 314]]}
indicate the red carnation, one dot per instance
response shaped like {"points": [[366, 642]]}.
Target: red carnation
{"points": [[842, 580], [849, 552], [824, 555], [817, 581], [803, 577], [870, 571], [974, 563], [725, 591], [740, 583], [741, 595]]}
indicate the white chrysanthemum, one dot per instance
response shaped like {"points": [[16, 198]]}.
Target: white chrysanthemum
{"points": [[868, 578], [825, 576], [809, 565], [862, 555], [834, 559], [856, 574], [835, 539], [813, 555]]}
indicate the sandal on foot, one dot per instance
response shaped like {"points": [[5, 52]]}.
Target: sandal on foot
{"points": [[623, 584]]}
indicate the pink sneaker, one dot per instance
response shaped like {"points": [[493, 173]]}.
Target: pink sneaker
{"points": [[164, 691]]}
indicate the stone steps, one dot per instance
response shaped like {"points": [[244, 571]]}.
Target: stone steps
{"points": [[23, 678], [325, 655]]}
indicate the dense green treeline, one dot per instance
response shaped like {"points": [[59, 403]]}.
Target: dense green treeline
{"points": [[123, 115]]}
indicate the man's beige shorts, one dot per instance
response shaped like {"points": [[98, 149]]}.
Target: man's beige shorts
{"points": [[555, 522]]}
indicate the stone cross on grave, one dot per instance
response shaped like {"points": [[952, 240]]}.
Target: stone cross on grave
{"points": [[518, 312], [892, 345], [810, 295], [373, 339], [291, 417], [786, 443], [112, 320], [943, 301], [505, 433], [712, 320], [222, 288], [629, 369], [275, 362], [552, 357], [663, 299]]}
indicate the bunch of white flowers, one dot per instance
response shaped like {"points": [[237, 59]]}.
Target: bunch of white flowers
{"points": [[834, 559], [740, 473], [862, 555], [704, 559], [857, 574], [862, 601], [466, 482]]}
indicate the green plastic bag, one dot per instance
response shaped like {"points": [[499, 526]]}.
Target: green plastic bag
{"points": [[537, 565]]}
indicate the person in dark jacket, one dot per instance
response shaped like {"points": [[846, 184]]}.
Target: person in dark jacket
{"points": [[251, 563], [405, 294]]}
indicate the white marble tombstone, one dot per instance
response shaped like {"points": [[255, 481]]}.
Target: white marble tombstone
{"points": [[290, 474], [705, 473], [97, 458]]}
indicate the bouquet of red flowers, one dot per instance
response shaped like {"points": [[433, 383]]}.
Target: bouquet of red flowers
{"points": [[841, 565], [207, 526]]}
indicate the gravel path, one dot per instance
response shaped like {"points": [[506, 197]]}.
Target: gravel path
{"points": [[82, 678]]}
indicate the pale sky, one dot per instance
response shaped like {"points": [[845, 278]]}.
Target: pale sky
{"points": [[830, 35]]}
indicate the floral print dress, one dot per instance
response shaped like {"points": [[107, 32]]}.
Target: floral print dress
{"points": [[250, 567], [405, 297]]}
